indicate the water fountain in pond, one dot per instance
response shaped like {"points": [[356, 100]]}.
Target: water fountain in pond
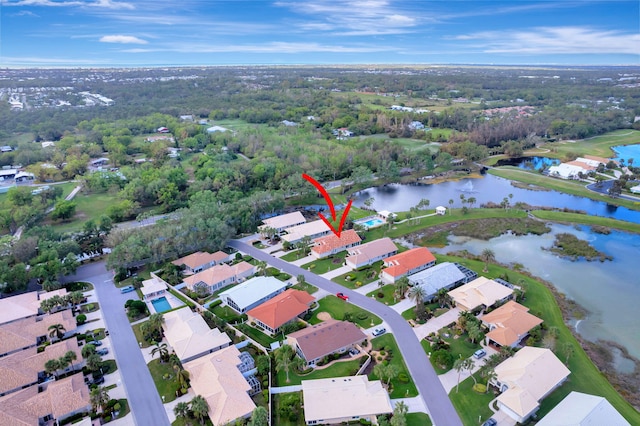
{"points": [[467, 187]]}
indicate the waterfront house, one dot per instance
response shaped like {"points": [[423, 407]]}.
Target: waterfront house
{"points": [[480, 293], [581, 409], [332, 244], [445, 275], [509, 324], [369, 253], [407, 263]]}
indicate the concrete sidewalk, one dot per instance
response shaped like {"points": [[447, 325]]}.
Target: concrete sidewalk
{"points": [[435, 324], [336, 272]]}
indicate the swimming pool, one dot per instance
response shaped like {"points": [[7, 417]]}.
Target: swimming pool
{"points": [[161, 304], [372, 223]]}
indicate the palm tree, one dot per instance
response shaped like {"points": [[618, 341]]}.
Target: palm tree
{"points": [[471, 201], [99, 398], [489, 374], [417, 294], [380, 371], [183, 378], [200, 408], [391, 371], [51, 366], [75, 297], [57, 330], [423, 204], [88, 350], [568, 350], [469, 365], [160, 349], [70, 356], [181, 410], [443, 297], [94, 362], [487, 256], [450, 205], [283, 359], [261, 266], [401, 286], [458, 365], [155, 322]]}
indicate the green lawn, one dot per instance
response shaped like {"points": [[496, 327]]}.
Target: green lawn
{"points": [[400, 390], [330, 263], [471, 405], [460, 348], [139, 337], [363, 276], [561, 185], [166, 387], [388, 292], [337, 369], [418, 419], [541, 301], [599, 145], [226, 313], [279, 416], [292, 255], [587, 220], [337, 308], [305, 287], [88, 207], [260, 337]]}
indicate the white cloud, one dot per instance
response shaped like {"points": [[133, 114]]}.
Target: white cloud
{"points": [[106, 4], [274, 47], [122, 39], [556, 40]]}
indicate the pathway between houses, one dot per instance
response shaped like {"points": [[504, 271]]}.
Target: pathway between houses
{"points": [[285, 389], [336, 272]]}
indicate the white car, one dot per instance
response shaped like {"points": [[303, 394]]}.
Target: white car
{"points": [[378, 331]]}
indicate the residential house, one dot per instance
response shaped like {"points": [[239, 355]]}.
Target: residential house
{"points": [[480, 293], [284, 308], [218, 379], [288, 123], [313, 230], [371, 252], [187, 117], [329, 337], [416, 125], [283, 221], [441, 210], [20, 306], [8, 174], [48, 402], [214, 129], [25, 368], [24, 177], [252, 293], [581, 409], [407, 263], [509, 324], [153, 288], [332, 244], [102, 161], [32, 331], [6, 148], [527, 378], [199, 261], [190, 336], [220, 276], [566, 171], [444, 275], [344, 399]]}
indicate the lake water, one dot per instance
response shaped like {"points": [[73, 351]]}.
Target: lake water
{"points": [[397, 197], [610, 290], [628, 151], [529, 163]]}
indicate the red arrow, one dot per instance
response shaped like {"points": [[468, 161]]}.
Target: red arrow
{"points": [[327, 198]]}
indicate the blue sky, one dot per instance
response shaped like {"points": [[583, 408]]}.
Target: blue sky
{"points": [[105, 33]]}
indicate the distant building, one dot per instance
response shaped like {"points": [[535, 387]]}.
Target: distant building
{"points": [[283, 222], [440, 210], [581, 409], [153, 288], [199, 261], [214, 129], [313, 230]]}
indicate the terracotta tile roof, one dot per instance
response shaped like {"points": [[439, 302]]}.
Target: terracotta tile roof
{"points": [[282, 308], [332, 242], [22, 368], [23, 333], [201, 258], [61, 397], [512, 321], [217, 378], [327, 337], [581, 164], [364, 252], [402, 263]]}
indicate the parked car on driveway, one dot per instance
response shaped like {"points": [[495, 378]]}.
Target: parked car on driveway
{"points": [[490, 422], [127, 289], [479, 353], [102, 351], [95, 343], [342, 296], [379, 331]]}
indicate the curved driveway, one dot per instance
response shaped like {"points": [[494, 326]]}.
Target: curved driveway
{"points": [[436, 399], [146, 407]]}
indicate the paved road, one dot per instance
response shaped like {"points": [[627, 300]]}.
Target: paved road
{"points": [[436, 400], [603, 188], [145, 403]]}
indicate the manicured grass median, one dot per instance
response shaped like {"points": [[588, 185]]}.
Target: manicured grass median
{"points": [[337, 308]]}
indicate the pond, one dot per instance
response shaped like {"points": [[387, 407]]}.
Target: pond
{"points": [[609, 290], [399, 197], [529, 163], [628, 151]]}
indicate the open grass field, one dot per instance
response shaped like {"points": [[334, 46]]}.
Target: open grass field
{"points": [[412, 144], [88, 207], [585, 376], [561, 185], [598, 145], [418, 419], [338, 307], [337, 369], [586, 219], [17, 138], [166, 387], [472, 407]]}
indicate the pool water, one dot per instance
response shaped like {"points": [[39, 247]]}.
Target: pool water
{"points": [[161, 304], [373, 222]]}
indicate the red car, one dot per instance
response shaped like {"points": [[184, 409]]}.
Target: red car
{"points": [[342, 296]]}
